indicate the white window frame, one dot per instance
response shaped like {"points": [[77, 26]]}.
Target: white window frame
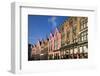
{"points": [[17, 64]]}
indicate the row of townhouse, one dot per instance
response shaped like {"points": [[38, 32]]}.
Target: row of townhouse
{"points": [[74, 38], [69, 41]]}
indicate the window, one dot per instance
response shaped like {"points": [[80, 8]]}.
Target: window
{"points": [[84, 36], [75, 50], [85, 49], [81, 49], [81, 26], [71, 51], [83, 23]]}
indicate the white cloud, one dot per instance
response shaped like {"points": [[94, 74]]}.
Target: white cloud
{"points": [[53, 21]]}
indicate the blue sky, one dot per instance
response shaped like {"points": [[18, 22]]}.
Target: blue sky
{"points": [[39, 26]]}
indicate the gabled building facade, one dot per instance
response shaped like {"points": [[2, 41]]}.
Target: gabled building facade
{"points": [[70, 41]]}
